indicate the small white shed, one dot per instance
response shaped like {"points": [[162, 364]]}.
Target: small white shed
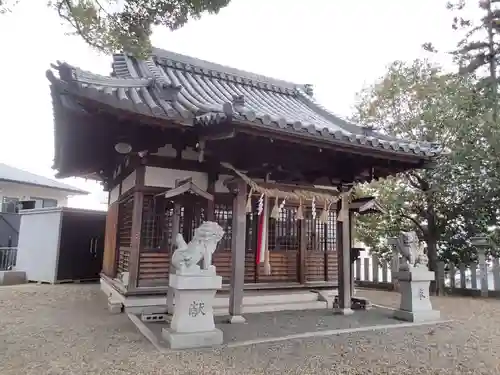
{"points": [[61, 244]]}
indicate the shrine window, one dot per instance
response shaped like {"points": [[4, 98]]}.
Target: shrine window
{"points": [[223, 215], [320, 236], [331, 229], [156, 223], [283, 233], [158, 219]]}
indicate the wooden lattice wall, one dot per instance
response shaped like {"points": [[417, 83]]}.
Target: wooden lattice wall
{"points": [[223, 215], [125, 209], [156, 241], [321, 254], [156, 236], [284, 242]]}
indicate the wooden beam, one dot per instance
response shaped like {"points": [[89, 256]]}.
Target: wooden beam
{"points": [[319, 141], [136, 229], [218, 136], [188, 187], [288, 187], [175, 163], [238, 253]]}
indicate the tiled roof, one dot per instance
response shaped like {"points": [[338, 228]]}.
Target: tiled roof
{"points": [[15, 175], [178, 87]]}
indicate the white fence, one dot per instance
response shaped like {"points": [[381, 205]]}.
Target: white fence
{"points": [[482, 278]]}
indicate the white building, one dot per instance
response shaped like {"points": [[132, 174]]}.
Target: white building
{"points": [[17, 185]]}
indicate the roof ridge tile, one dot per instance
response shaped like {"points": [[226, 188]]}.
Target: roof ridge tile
{"points": [[199, 66]]}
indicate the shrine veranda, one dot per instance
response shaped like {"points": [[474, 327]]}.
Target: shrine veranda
{"points": [[261, 157]]}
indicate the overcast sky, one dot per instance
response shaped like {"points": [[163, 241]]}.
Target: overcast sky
{"points": [[338, 46]]}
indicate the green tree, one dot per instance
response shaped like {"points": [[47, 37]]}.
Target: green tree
{"points": [[478, 50], [124, 25], [456, 198]]}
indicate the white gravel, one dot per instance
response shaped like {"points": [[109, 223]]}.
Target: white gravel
{"points": [[66, 329]]}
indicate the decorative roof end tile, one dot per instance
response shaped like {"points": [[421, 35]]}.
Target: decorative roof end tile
{"points": [[308, 89], [66, 71], [227, 108], [168, 92], [368, 130], [238, 103]]}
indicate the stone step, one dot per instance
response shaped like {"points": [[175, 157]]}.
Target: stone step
{"points": [[269, 298], [312, 305], [271, 307]]}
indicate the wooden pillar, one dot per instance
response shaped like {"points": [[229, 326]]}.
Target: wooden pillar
{"points": [[135, 244], [238, 253], [187, 219], [210, 208], [255, 233], [176, 225], [302, 251], [325, 250], [352, 228], [109, 264], [344, 258], [176, 221]]}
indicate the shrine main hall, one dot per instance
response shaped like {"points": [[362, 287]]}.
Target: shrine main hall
{"points": [[177, 141]]}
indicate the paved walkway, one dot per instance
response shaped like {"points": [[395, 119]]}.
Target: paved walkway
{"points": [[276, 326], [66, 329]]}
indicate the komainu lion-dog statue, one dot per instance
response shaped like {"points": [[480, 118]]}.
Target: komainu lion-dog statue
{"points": [[187, 255], [412, 252]]}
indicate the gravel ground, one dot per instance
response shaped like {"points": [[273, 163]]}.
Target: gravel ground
{"points": [[66, 329]]}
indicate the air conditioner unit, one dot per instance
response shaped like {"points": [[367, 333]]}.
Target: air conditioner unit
{"points": [[28, 204]]}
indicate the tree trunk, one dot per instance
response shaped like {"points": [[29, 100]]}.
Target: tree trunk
{"points": [[433, 259], [432, 239]]}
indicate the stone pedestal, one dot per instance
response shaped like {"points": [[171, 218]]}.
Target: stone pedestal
{"points": [[415, 300], [170, 300], [192, 323]]}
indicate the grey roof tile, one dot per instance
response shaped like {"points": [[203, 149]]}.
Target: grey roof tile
{"points": [[11, 174], [174, 86]]}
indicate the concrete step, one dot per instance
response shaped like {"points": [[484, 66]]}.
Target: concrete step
{"points": [[12, 277]]}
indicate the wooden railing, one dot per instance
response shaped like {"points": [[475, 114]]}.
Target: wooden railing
{"points": [[476, 279]]}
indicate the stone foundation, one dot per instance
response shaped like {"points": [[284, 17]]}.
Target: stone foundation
{"points": [[187, 340]]}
